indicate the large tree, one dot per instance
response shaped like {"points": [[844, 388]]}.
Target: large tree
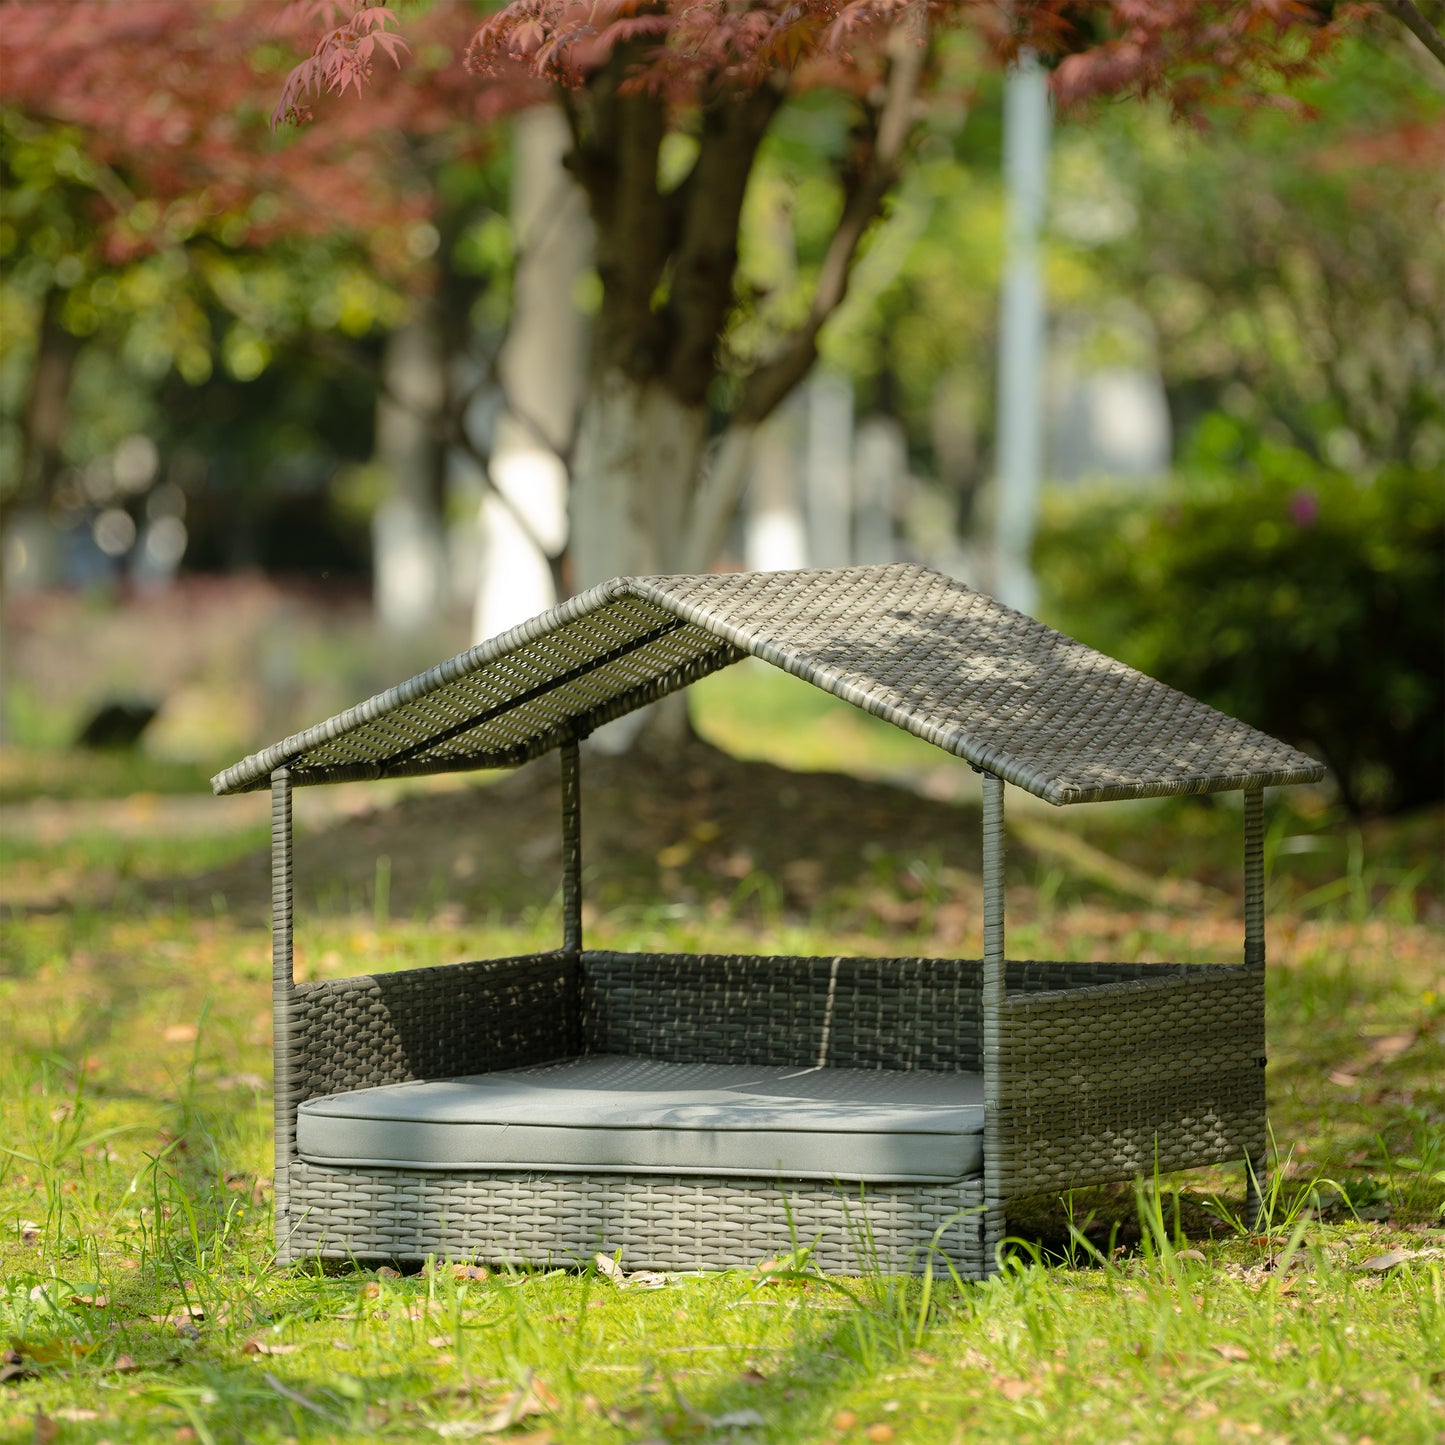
{"points": [[669, 106], [152, 212]]}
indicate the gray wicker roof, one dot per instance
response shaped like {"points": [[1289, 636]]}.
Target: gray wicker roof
{"points": [[924, 652]]}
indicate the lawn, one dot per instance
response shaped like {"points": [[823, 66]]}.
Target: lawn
{"points": [[138, 1298]]}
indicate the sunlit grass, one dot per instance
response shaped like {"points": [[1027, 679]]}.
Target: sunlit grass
{"points": [[138, 1297]]}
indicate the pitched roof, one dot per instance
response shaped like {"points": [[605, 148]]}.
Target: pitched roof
{"points": [[907, 644]]}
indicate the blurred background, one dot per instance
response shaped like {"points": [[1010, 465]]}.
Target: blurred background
{"points": [[288, 415]]}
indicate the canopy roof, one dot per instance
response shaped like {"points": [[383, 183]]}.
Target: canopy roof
{"points": [[907, 644]]}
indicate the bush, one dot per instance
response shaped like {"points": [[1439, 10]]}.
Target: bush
{"points": [[1290, 595]]}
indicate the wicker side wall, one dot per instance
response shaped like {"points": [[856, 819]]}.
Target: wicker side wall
{"points": [[428, 1023], [854, 1013], [657, 1221], [1111, 1082]]}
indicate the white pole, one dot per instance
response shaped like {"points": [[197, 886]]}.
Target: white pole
{"points": [[1021, 333]]}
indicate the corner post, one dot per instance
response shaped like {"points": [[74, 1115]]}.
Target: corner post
{"points": [[993, 1001], [1256, 1185], [571, 848], [1254, 877], [283, 990]]}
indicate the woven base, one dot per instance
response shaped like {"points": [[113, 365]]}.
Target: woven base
{"points": [[658, 1222]]}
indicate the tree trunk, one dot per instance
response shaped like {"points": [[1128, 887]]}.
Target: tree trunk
{"points": [[542, 366], [639, 450], [408, 540]]}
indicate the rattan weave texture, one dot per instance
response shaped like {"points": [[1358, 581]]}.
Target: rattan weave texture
{"points": [[1100, 1066], [658, 1222], [921, 650]]}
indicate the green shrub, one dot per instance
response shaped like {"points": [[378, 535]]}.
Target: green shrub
{"points": [[1290, 595]]}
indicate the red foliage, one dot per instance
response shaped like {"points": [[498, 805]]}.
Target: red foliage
{"points": [[173, 96], [1188, 51]]}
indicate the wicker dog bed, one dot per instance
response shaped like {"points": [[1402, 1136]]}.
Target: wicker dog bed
{"points": [[429, 1124]]}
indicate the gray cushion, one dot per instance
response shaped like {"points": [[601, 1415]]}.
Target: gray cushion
{"points": [[628, 1115]]}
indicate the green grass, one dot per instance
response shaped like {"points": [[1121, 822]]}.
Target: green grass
{"points": [[136, 1125], [138, 1297]]}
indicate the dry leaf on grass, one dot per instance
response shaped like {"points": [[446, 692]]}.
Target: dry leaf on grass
{"points": [[532, 1397], [1012, 1389], [879, 1434], [77, 1413], [387, 1272], [610, 1270], [13, 1367], [1382, 1262], [736, 1420], [180, 1033], [1196, 1256], [844, 1420], [1391, 1046], [91, 1301], [1231, 1352], [254, 1346]]}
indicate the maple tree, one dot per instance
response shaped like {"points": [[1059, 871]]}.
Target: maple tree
{"points": [[676, 385], [151, 206]]}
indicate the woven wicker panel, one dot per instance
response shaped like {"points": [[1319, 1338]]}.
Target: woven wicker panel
{"points": [[926, 653], [658, 1222], [847, 1013], [429, 1023], [1113, 1082]]}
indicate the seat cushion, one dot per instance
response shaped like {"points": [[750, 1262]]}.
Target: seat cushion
{"points": [[628, 1115]]}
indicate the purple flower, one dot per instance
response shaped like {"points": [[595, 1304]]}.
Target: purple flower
{"points": [[1304, 507]]}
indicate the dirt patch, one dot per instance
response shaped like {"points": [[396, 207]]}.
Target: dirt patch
{"points": [[687, 828]]}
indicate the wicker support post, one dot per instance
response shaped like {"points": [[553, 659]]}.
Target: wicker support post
{"points": [[993, 997], [1254, 877], [283, 985], [1256, 1185], [571, 848]]}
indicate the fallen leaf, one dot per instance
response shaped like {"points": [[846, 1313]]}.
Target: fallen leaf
{"points": [[1196, 1255], [470, 1271], [342, 1345], [46, 1429], [1390, 1047], [1012, 1390], [124, 1365], [737, 1420], [1382, 1262], [15, 1368], [879, 1434], [387, 1272], [532, 1397], [91, 1301], [439, 1342], [255, 1346], [180, 1033], [1231, 1352], [844, 1420], [77, 1413], [610, 1270], [1344, 1079], [753, 1376]]}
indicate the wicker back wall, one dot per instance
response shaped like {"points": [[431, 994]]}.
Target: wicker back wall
{"points": [[855, 1013], [429, 1023]]}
